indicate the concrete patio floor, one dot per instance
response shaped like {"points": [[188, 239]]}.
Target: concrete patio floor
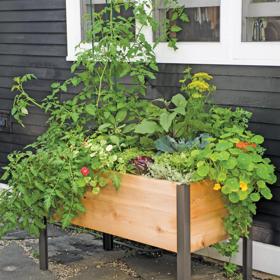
{"points": [[79, 256]]}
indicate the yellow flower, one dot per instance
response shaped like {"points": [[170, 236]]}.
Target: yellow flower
{"points": [[243, 186], [198, 85], [202, 76], [217, 187]]}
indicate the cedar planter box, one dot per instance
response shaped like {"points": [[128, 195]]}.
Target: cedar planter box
{"points": [[145, 210], [177, 218]]}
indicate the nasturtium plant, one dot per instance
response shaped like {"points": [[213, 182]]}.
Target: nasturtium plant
{"points": [[109, 128]]}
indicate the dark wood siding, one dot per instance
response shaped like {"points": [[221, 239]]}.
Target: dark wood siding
{"points": [[33, 40]]}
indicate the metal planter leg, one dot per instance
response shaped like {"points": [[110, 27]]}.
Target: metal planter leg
{"points": [[108, 242], [183, 233], [247, 257], [43, 248]]}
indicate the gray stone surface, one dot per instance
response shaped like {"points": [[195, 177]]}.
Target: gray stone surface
{"points": [[53, 231], [15, 265], [164, 268], [80, 256]]}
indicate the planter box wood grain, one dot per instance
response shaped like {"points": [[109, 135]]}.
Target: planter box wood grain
{"points": [[145, 210]]}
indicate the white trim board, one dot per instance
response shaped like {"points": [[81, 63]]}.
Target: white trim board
{"points": [[266, 258]]}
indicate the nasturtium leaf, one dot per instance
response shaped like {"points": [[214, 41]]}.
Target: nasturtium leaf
{"points": [[230, 163], [243, 161], [224, 155], [234, 197], [255, 197], [146, 127], [258, 139], [263, 171], [179, 100], [222, 176], [223, 145], [203, 170], [232, 184]]}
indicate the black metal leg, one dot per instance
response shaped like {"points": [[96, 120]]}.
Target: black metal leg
{"points": [[43, 248], [247, 257], [108, 242], [183, 233]]}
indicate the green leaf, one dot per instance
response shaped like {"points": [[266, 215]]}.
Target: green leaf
{"points": [[263, 171], [121, 115], [175, 28], [244, 161], [223, 145], [242, 195], [232, 184], [179, 100], [166, 120], [203, 170], [234, 197], [266, 192], [224, 155], [258, 139], [230, 164], [24, 111], [261, 184], [90, 109], [255, 197], [184, 17], [146, 127], [115, 140], [75, 116]]}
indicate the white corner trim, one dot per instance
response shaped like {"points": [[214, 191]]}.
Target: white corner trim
{"points": [[73, 27], [265, 257]]}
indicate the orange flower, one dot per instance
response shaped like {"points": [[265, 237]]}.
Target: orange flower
{"points": [[243, 145], [243, 186], [217, 187]]}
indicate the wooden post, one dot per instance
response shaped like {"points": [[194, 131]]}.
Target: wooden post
{"points": [[183, 233]]}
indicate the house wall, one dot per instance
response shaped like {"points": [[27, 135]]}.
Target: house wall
{"points": [[33, 40]]}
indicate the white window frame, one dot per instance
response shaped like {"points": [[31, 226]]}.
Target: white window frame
{"points": [[229, 51]]}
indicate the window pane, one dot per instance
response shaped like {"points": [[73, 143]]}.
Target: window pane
{"points": [[261, 20], [203, 25], [86, 11]]}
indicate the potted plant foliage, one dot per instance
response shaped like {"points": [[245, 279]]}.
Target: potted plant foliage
{"points": [[111, 160]]}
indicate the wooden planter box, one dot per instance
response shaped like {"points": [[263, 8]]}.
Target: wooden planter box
{"points": [[145, 210], [178, 218]]}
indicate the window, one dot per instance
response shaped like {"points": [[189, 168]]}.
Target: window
{"points": [[240, 32], [261, 20]]}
